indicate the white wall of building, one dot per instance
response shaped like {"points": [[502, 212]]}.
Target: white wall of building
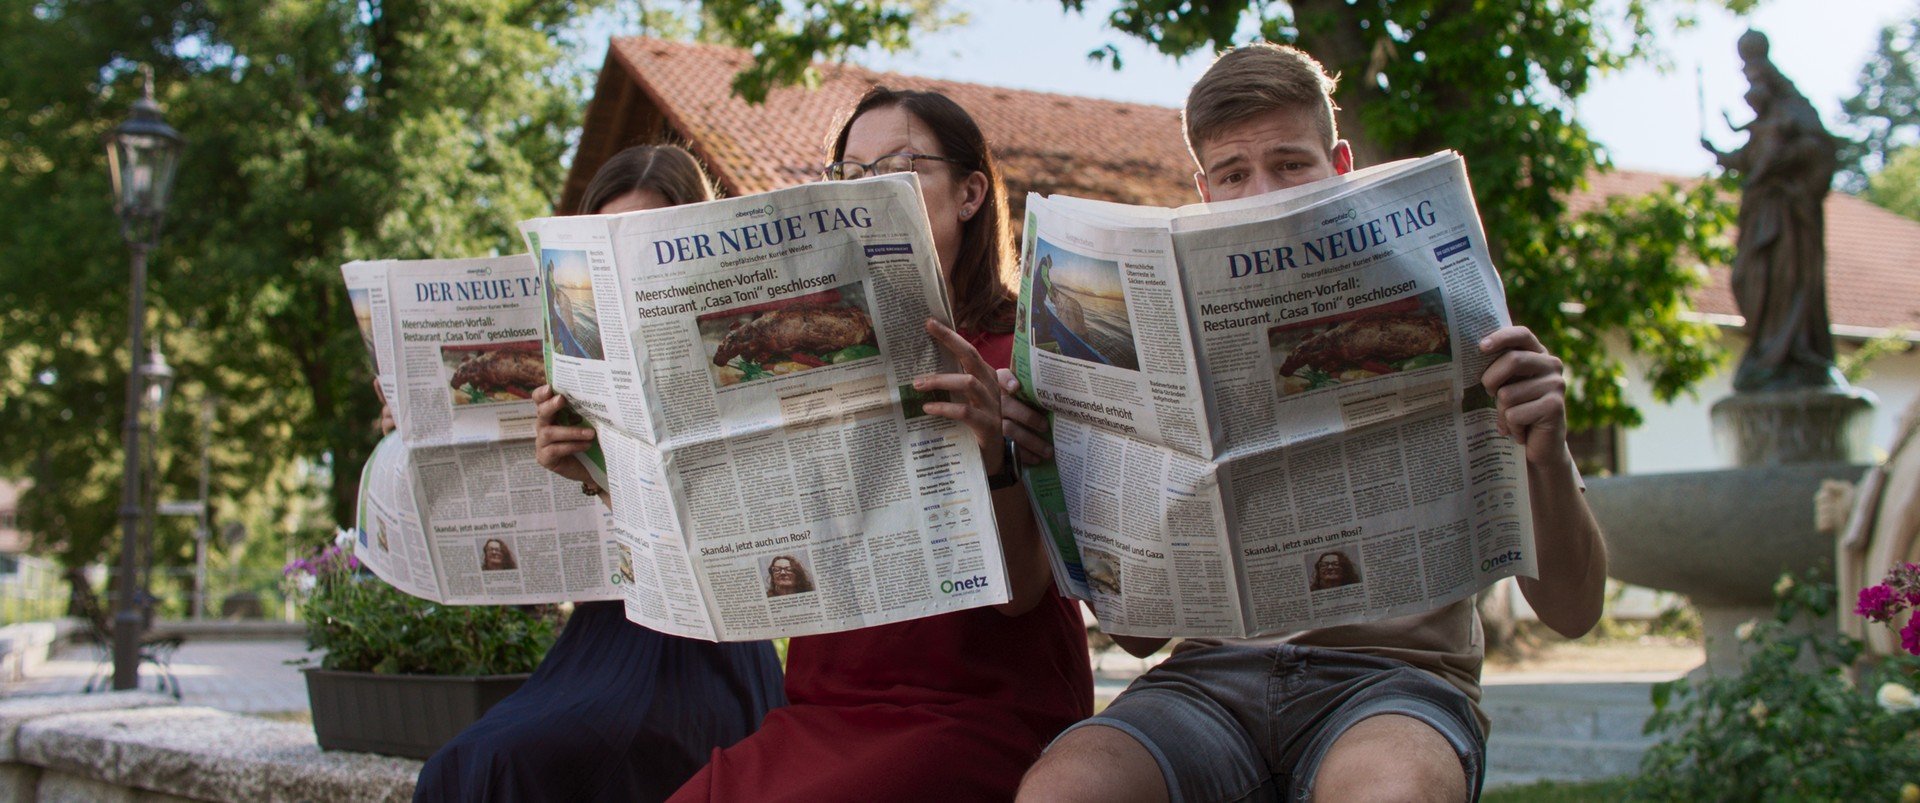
{"points": [[1679, 436]]}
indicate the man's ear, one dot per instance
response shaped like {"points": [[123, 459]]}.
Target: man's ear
{"points": [[1200, 183], [1342, 158]]}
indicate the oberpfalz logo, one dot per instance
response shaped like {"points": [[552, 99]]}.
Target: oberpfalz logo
{"points": [[1345, 217], [758, 211]]}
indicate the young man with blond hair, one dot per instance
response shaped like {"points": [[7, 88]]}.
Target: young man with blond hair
{"points": [[1377, 711]]}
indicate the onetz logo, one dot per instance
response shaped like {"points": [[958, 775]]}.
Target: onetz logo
{"points": [[972, 583], [1499, 560]]}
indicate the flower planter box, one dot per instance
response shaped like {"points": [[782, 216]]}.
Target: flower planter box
{"points": [[399, 715]]}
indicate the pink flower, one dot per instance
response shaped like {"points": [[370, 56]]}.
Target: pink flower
{"points": [[1910, 635], [1876, 603]]}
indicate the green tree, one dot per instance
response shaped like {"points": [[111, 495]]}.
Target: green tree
{"points": [[319, 132], [1897, 186], [1886, 110]]}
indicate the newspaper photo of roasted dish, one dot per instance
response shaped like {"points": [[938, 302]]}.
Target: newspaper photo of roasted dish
{"points": [[485, 373], [788, 336], [1404, 335]]}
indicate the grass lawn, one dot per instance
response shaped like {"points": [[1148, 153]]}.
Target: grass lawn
{"points": [[1560, 792]]}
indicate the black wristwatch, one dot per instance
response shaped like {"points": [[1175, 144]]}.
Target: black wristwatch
{"points": [[1009, 474]]}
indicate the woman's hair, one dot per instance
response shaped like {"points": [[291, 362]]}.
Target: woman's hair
{"points": [[984, 272], [666, 169]]}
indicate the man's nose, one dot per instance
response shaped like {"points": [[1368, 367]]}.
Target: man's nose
{"points": [[1264, 182]]}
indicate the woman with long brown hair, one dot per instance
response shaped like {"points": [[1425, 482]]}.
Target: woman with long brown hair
{"points": [[954, 706], [615, 711]]}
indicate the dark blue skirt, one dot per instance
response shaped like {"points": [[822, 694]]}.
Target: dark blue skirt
{"points": [[614, 712]]}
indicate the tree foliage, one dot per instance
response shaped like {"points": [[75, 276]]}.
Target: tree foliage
{"points": [[1886, 110], [1897, 186], [787, 37], [319, 132]]}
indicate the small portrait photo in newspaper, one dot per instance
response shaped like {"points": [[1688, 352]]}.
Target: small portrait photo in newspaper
{"points": [[1402, 335], [573, 317], [790, 335], [497, 556], [1079, 309], [1332, 569], [787, 574]]}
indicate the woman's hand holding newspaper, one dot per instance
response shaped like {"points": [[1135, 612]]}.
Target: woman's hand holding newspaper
{"points": [[975, 392]]}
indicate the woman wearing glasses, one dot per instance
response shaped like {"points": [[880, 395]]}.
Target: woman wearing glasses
{"points": [[956, 706], [615, 711]]}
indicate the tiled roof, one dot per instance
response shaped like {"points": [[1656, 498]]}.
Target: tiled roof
{"points": [[1127, 152], [1046, 143]]}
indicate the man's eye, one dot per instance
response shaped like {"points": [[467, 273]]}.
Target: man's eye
{"points": [[1233, 178], [1293, 166]]}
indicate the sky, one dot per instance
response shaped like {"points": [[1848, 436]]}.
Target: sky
{"points": [[1819, 44]]}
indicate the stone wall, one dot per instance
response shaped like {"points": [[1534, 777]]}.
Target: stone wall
{"points": [[123, 747]]}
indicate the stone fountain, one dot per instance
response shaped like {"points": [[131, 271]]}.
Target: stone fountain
{"points": [[1723, 537]]}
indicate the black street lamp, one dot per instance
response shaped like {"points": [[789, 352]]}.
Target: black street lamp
{"points": [[143, 154]]}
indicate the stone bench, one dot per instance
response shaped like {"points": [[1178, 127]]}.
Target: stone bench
{"points": [[25, 646], [123, 747]]}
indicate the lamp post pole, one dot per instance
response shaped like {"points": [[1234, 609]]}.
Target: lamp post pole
{"points": [[205, 528], [142, 156], [126, 615]]}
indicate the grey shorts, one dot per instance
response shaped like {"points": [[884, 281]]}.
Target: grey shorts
{"points": [[1239, 722]]}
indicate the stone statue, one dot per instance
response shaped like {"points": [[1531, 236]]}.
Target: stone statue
{"points": [[1779, 270]]}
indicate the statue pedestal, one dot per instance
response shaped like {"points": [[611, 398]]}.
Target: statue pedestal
{"points": [[1720, 537], [1781, 427], [1724, 537]]}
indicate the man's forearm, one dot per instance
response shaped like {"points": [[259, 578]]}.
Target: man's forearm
{"points": [[1572, 555]]}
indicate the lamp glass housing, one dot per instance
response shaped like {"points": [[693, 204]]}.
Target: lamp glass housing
{"points": [[143, 157]]}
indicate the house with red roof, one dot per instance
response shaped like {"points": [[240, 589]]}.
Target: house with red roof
{"points": [[653, 90]]}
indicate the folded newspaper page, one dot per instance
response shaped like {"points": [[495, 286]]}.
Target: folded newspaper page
{"points": [[453, 506], [1267, 414], [748, 366]]}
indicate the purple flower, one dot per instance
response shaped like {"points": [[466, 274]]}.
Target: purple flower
{"points": [[1876, 603], [1910, 635]]}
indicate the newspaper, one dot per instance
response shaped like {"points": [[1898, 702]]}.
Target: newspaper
{"points": [[453, 506], [1266, 414], [747, 364]]}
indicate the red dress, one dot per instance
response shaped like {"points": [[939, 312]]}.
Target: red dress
{"points": [[950, 707]]}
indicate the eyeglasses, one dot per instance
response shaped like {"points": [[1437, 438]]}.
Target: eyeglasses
{"points": [[891, 163]]}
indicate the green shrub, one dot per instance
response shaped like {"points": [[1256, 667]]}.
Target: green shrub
{"points": [[365, 625], [1800, 722]]}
